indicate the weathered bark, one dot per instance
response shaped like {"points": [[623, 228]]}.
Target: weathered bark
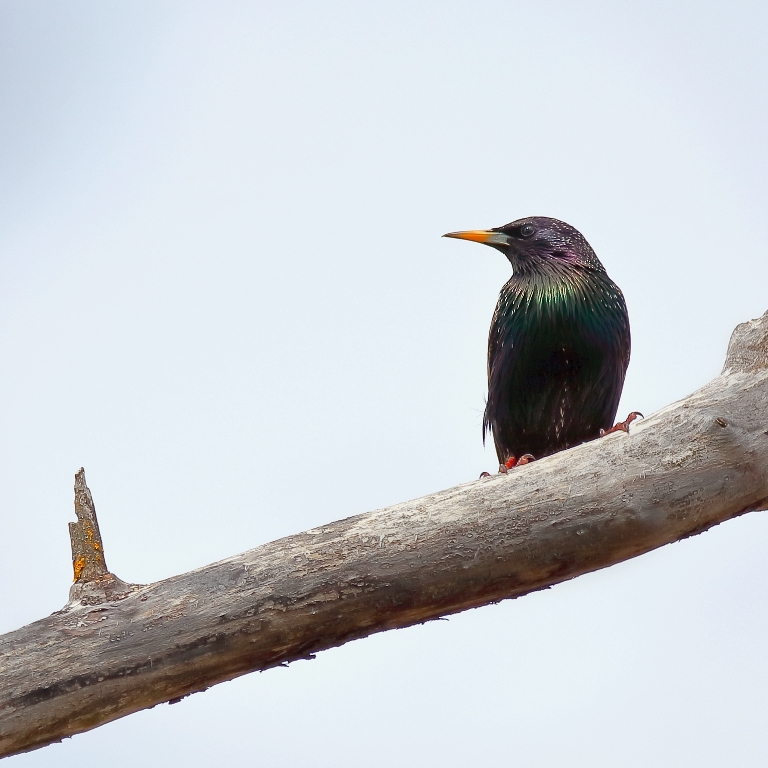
{"points": [[118, 648]]}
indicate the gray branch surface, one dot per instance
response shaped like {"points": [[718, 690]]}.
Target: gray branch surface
{"points": [[117, 648]]}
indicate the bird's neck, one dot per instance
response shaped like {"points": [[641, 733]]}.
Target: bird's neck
{"points": [[558, 290]]}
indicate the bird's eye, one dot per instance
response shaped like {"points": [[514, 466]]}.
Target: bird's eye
{"points": [[527, 230]]}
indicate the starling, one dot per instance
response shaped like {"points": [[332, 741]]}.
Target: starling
{"points": [[559, 343]]}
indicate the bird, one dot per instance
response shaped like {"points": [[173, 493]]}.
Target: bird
{"points": [[558, 346]]}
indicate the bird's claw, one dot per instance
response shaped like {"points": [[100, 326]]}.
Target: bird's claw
{"points": [[622, 426], [512, 462]]}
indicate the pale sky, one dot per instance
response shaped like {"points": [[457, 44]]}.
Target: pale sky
{"points": [[223, 291]]}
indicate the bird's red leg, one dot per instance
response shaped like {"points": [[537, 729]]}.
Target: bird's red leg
{"points": [[503, 468], [622, 426], [511, 463]]}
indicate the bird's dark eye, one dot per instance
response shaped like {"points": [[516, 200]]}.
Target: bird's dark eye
{"points": [[527, 230]]}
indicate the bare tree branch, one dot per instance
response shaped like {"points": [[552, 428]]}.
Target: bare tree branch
{"points": [[116, 648]]}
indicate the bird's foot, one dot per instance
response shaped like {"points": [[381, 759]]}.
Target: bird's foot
{"points": [[511, 463], [622, 426]]}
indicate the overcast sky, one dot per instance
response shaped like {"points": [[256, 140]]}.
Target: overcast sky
{"points": [[223, 291]]}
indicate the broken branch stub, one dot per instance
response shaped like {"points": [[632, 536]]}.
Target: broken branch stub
{"points": [[93, 583], [88, 560]]}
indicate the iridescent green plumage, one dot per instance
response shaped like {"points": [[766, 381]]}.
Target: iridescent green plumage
{"points": [[559, 343]]}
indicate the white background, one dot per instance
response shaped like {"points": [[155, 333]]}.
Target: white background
{"points": [[223, 291]]}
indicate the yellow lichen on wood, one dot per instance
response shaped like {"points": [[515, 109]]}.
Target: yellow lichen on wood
{"points": [[78, 566]]}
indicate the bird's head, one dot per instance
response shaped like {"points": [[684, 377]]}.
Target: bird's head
{"points": [[537, 244]]}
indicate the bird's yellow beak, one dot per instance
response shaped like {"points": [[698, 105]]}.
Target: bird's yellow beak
{"points": [[485, 236]]}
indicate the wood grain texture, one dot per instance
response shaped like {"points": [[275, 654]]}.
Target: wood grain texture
{"points": [[119, 648]]}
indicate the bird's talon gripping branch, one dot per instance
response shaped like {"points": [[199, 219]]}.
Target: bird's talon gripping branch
{"points": [[513, 462], [507, 465], [622, 426]]}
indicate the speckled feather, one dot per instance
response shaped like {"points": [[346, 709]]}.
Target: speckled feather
{"points": [[559, 343]]}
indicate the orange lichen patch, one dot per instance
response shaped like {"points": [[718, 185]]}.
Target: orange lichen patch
{"points": [[96, 546], [78, 566]]}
